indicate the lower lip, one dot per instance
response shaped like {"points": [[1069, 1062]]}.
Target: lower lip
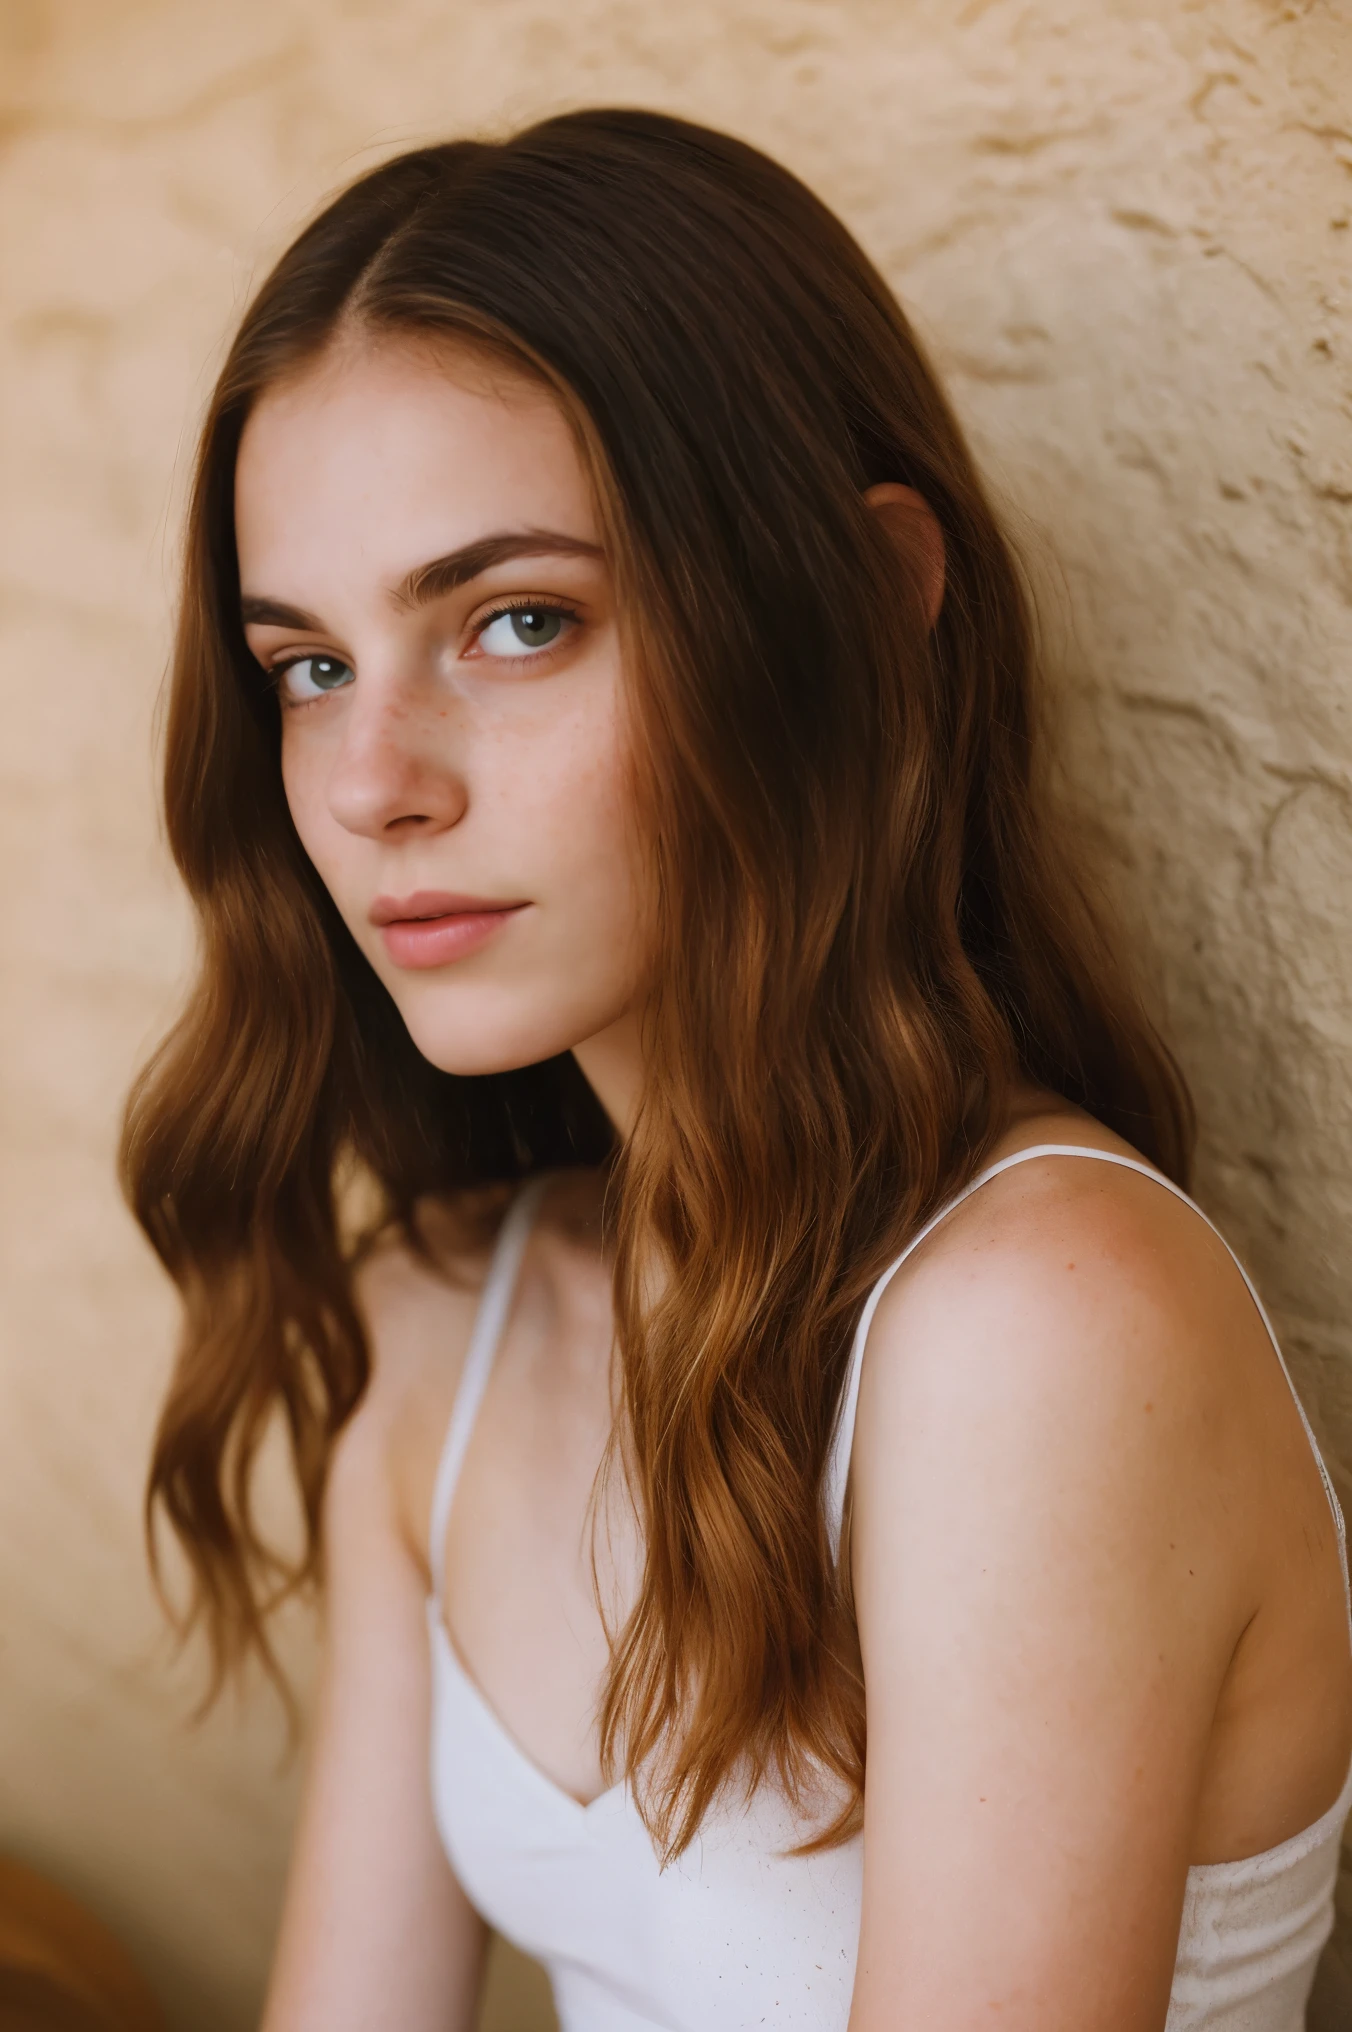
{"points": [[436, 941]]}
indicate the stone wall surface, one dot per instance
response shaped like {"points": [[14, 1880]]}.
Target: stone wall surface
{"points": [[1125, 229]]}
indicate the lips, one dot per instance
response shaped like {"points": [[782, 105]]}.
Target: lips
{"points": [[432, 927]]}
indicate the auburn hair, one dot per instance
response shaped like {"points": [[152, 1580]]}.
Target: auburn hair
{"points": [[866, 928]]}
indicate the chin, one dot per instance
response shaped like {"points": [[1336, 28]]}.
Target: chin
{"points": [[474, 1065], [471, 1050]]}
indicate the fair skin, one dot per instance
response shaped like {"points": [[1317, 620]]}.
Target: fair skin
{"points": [[1098, 1594]]}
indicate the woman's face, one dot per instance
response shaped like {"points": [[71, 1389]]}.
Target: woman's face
{"points": [[422, 577]]}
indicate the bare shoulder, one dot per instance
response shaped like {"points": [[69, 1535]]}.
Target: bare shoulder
{"points": [[1073, 1354], [419, 1303], [1083, 1277], [418, 1306]]}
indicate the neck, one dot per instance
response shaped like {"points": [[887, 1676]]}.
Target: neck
{"points": [[612, 1065]]}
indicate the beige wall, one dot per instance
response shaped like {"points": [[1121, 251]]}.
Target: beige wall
{"points": [[1124, 226]]}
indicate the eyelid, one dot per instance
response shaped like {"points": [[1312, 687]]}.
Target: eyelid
{"points": [[282, 659], [512, 603]]}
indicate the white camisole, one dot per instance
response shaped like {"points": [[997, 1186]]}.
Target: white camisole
{"points": [[736, 1932]]}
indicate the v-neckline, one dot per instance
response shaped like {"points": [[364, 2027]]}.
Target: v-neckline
{"points": [[539, 1777]]}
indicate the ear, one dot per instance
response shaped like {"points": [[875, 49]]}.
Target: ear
{"points": [[913, 527]]}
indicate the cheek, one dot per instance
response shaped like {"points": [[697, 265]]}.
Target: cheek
{"points": [[587, 831]]}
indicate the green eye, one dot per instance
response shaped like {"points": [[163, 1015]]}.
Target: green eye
{"points": [[520, 630], [311, 676]]}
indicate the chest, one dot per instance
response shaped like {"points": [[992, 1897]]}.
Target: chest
{"points": [[543, 1549], [736, 1931]]}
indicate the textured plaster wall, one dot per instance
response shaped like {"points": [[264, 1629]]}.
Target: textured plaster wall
{"points": [[1125, 227]]}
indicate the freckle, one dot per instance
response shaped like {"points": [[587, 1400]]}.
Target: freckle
{"points": [[1149, 1407], [1070, 1266]]}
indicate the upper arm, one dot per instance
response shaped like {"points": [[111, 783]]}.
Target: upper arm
{"points": [[1047, 1605], [376, 1933]]}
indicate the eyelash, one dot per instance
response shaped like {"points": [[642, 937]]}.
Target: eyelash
{"points": [[516, 604]]}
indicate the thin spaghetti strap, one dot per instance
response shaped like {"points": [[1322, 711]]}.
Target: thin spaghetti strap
{"points": [[490, 1318], [838, 1464]]}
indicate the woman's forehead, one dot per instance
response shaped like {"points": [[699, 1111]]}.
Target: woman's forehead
{"points": [[395, 452]]}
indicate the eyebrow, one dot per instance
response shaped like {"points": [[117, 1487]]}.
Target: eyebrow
{"points": [[441, 575]]}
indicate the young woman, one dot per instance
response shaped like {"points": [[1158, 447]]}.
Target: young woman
{"points": [[815, 1528]]}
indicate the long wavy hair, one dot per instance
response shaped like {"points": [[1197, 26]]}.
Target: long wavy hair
{"points": [[866, 928]]}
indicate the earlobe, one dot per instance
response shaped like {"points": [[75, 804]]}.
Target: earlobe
{"points": [[914, 528]]}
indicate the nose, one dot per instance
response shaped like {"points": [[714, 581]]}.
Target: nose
{"points": [[394, 772]]}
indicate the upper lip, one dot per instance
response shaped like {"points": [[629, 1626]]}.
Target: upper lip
{"points": [[432, 903]]}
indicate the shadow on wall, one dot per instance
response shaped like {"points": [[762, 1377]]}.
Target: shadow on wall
{"points": [[516, 1994], [60, 1970]]}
